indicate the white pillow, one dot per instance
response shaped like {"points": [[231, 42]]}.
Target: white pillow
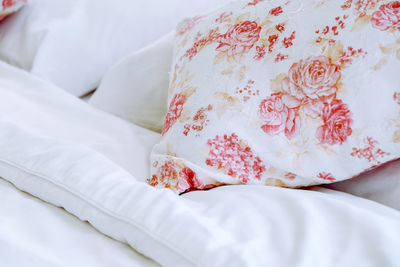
{"points": [[73, 42], [136, 88], [30, 103], [44, 151], [381, 185]]}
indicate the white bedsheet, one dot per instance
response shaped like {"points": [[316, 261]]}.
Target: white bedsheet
{"points": [[36, 234]]}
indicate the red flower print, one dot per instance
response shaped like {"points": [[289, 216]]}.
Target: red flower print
{"points": [[346, 4], [280, 27], [326, 176], [199, 121], [337, 123], [330, 32], [362, 6], [260, 52], [189, 24], [276, 11], [200, 118], [8, 3], [313, 78], [174, 111], [387, 17], [290, 176], [247, 91], [239, 38], [371, 152], [288, 41], [200, 43], [272, 40], [235, 157], [223, 17], [396, 97], [188, 181], [280, 57], [254, 2], [347, 56], [166, 175], [277, 117]]}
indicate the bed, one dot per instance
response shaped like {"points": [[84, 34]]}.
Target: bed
{"points": [[74, 191]]}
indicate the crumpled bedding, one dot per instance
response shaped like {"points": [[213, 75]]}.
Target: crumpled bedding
{"points": [[94, 165], [36, 234]]}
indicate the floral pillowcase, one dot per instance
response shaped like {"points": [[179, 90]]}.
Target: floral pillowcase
{"points": [[8, 7], [285, 93]]}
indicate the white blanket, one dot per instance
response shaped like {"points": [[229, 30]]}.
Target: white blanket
{"points": [[36, 234], [94, 165]]}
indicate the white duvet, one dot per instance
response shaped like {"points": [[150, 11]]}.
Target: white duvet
{"points": [[94, 165], [36, 234]]}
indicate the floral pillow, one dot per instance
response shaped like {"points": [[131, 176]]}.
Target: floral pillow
{"points": [[8, 7], [285, 93]]}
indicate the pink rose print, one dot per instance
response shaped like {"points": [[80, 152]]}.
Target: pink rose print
{"points": [[184, 180], [313, 78], [174, 111], [387, 17], [188, 182], [337, 123], [277, 117], [396, 97], [326, 176], [235, 157], [362, 6], [239, 38]]}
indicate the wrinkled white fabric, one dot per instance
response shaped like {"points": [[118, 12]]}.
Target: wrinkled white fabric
{"points": [[381, 185], [73, 42], [136, 87], [36, 234], [227, 226], [47, 111]]}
